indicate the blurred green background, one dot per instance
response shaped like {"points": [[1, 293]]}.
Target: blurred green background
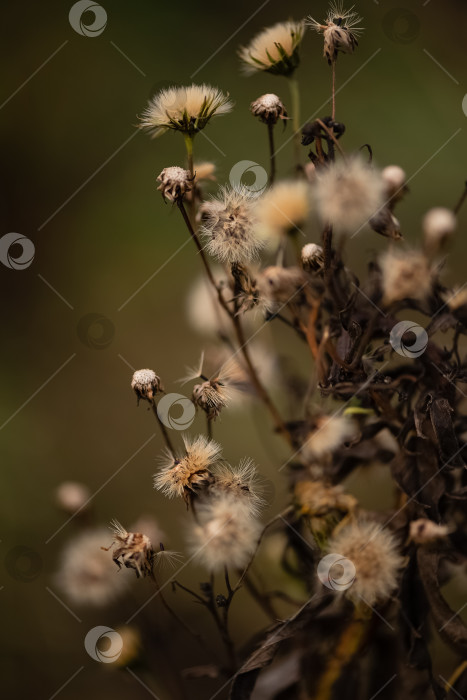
{"points": [[80, 182]]}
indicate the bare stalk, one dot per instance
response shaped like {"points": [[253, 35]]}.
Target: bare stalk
{"points": [[272, 154], [164, 432]]}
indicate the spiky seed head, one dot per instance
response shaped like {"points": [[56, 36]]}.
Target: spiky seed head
{"points": [[239, 482], [375, 556], [186, 109], [190, 473], [211, 397], [274, 50], [269, 109], [131, 549], [146, 384], [283, 209], [340, 31], [175, 183], [229, 226], [406, 274]]}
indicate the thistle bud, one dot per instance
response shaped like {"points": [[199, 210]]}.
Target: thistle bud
{"points": [[146, 384], [175, 183], [268, 108], [312, 258]]}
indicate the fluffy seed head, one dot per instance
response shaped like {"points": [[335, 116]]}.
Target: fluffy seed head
{"points": [[283, 209], [405, 275], [394, 178], [228, 226], [186, 109], [274, 50], [226, 533], [439, 224], [329, 433], [239, 482], [312, 256], [132, 549], [268, 108], [373, 551], [211, 396], [340, 31], [348, 194], [190, 473], [72, 496], [87, 575], [424, 531], [282, 285], [205, 171], [175, 183], [146, 384]]}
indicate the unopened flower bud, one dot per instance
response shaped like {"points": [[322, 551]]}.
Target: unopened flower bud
{"points": [[268, 108], [175, 183], [312, 257], [146, 384]]}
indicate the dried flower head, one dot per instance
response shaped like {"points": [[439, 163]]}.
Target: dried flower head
{"points": [[211, 396], [439, 224], [424, 531], [228, 226], [239, 482], [226, 533], [146, 384], [395, 179], [374, 553], [329, 434], [72, 496], [455, 298], [132, 549], [282, 285], [406, 274], [340, 31], [175, 183], [348, 194], [316, 499], [86, 574], [283, 209], [205, 171], [274, 50], [312, 257], [186, 109], [386, 224], [190, 473], [269, 109]]}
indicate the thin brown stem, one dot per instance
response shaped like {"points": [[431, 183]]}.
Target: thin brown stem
{"points": [[272, 154], [460, 203], [164, 432], [334, 90], [332, 137]]}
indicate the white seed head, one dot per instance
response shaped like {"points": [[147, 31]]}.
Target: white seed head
{"points": [[283, 209], [328, 435], [374, 553], [186, 109], [395, 179], [312, 257], [175, 183], [348, 194], [282, 285], [146, 384], [191, 472], [269, 109], [406, 274], [274, 50], [228, 226], [439, 224], [424, 531], [226, 533], [340, 31], [239, 482], [72, 496], [87, 576], [211, 396]]}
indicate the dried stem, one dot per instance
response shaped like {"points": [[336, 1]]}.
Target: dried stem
{"points": [[295, 97], [334, 90], [164, 432], [272, 154], [460, 203]]}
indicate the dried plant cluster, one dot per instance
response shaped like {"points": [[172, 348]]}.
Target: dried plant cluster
{"points": [[278, 257]]}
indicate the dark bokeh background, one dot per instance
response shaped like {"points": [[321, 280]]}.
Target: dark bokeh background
{"points": [[80, 183]]}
